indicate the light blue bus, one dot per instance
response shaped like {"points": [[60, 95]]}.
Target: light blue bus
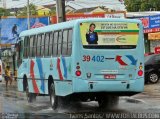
{"points": [[94, 59]]}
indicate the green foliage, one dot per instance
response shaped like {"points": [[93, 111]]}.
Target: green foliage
{"points": [[142, 5], [53, 10], [4, 12], [23, 12]]}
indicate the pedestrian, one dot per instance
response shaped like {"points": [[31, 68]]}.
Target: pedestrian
{"points": [[15, 75], [8, 76]]}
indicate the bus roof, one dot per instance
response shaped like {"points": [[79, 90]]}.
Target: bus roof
{"points": [[48, 28], [69, 24]]}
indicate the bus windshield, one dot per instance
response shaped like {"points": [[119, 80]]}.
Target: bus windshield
{"points": [[109, 35]]}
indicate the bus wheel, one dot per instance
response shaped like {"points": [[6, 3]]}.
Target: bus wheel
{"points": [[31, 97], [102, 103], [53, 97], [56, 101], [114, 101], [108, 102]]}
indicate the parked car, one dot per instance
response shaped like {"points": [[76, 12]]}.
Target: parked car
{"points": [[152, 68], [149, 53]]}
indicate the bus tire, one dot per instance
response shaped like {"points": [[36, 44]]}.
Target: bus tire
{"points": [[31, 97], [56, 101], [114, 101], [102, 103], [53, 97], [108, 102]]}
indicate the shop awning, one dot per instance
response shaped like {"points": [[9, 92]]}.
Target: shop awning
{"points": [[154, 36]]}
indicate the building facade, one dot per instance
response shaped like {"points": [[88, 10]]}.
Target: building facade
{"points": [[151, 25]]}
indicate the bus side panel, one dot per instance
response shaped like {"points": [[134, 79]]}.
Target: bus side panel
{"points": [[39, 89], [137, 85], [23, 70], [41, 68], [60, 70], [36, 79], [63, 88]]}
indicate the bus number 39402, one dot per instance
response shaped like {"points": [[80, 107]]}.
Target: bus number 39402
{"points": [[88, 58]]}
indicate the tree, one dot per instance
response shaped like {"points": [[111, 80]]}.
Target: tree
{"points": [[53, 10], [142, 5], [23, 12], [4, 12]]}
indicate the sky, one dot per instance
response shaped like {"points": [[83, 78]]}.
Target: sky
{"points": [[115, 4]]}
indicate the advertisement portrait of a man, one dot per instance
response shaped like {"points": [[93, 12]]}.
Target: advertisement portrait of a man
{"points": [[91, 35]]}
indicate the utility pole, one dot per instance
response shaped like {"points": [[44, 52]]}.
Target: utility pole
{"points": [[60, 10], [4, 4], [28, 14], [0, 36]]}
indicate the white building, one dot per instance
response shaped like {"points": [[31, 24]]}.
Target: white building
{"points": [[141, 14], [2, 5], [21, 3], [117, 5]]}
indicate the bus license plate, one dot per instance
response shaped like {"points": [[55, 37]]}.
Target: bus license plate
{"points": [[109, 76]]}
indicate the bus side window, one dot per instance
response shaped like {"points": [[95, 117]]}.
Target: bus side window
{"points": [[47, 39], [31, 46], [19, 52], [42, 45], [34, 46], [51, 42], [38, 49], [24, 53], [69, 42], [26, 45], [55, 43], [65, 38], [60, 41]]}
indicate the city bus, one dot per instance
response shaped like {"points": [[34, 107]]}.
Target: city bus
{"points": [[96, 59]]}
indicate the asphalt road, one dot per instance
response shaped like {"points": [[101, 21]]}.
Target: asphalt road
{"points": [[14, 104]]}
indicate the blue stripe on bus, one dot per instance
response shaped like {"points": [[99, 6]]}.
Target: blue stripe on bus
{"points": [[64, 67], [132, 59], [39, 63]]}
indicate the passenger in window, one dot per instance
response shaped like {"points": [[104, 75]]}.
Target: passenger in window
{"points": [[91, 35]]}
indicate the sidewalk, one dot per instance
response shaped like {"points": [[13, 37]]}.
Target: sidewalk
{"points": [[1, 104], [13, 85], [11, 91]]}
